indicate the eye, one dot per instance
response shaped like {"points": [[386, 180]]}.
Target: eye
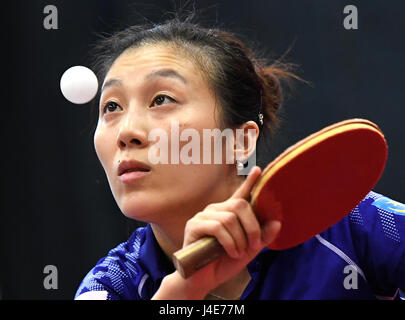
{"points": [[110, 106], [160, 99]]}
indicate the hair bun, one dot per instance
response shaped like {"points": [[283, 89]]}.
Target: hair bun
{"points": [[272, 89], [271, 78]]}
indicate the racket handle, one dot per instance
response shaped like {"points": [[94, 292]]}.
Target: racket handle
{"points": [[197, 255]]}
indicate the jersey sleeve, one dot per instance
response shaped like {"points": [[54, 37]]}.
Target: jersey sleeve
{"points": [[379, 239], [114, 277]]}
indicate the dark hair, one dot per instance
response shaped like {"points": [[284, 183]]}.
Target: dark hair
{"points": [[244, 84]]}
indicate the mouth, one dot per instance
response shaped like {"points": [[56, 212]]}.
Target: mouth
{"points": [[134, 170], [129, 170]]}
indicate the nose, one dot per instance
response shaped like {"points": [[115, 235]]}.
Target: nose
{"points": [[131, 134]]}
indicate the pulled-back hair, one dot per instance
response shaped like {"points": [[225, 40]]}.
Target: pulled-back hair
{"points": [[244, 84]]}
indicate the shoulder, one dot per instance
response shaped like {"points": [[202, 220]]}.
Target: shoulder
{"points": [[376, 223], [381, 216], [116, 275], [373, 236]]}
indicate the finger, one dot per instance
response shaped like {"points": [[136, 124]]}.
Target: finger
{"points": [[250, 225], [246, 216], [244, 189], [269, 233], [230, 220], [215, 229]]}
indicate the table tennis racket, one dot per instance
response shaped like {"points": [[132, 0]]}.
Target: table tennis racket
{"points": [[309, 187]]}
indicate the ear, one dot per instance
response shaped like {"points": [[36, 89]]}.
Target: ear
{"points": [[246, 139]]}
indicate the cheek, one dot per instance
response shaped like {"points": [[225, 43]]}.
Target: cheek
{"points": [[103, 147]]}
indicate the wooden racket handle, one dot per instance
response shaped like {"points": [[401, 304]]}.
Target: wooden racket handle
{"points": [[197, 255]]}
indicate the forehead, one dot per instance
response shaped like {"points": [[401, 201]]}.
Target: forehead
{"points": [[137, 62]]}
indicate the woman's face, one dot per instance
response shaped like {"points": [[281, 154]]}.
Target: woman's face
{"points": [[153, 87]]}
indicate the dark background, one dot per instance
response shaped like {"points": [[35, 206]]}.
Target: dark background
{"points": [[56, 206]]}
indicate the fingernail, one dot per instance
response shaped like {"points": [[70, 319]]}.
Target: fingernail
{"points": [[251, 170]]}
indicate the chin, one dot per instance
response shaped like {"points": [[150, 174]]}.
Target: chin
{"points": [[138, 209]]}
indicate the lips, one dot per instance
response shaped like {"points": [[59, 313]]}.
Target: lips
{"points": [[128, 166]]}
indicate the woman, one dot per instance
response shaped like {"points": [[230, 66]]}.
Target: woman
{"points": [[207, 79]]}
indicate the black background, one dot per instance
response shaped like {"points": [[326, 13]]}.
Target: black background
{"points": [[56, 206]]}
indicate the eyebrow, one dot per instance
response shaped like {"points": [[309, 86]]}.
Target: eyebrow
{"points": [[167, 73], [111, 83]]}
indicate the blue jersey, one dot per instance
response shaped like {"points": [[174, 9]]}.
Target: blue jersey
{"points": [[360, 257]]}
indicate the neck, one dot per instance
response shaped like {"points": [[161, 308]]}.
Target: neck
{"points": [[169, 239], [169, 231]]}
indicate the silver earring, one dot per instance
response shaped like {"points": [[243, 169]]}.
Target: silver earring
{"points": [[261, 118], [239, 165]]}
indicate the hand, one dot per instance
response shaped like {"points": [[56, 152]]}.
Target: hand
{"points": [[234, 224]]}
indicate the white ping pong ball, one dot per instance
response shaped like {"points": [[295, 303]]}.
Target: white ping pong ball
{"points": [[79, 84]]}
